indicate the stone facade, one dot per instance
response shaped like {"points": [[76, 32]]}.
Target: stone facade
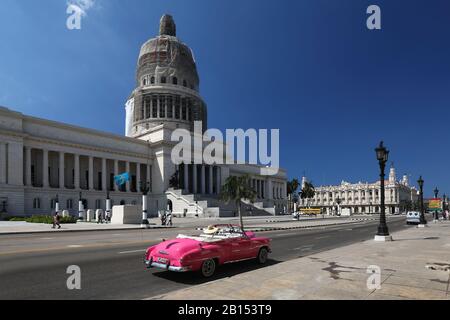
{"points": [[363, 197], [41, 160]]}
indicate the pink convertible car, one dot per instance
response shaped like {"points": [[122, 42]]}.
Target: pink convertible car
{"points": [[217, 245]]}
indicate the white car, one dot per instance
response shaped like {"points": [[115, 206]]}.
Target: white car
{"points": [[413, 217]]}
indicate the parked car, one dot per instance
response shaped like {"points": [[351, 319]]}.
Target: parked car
{"points": [[413, 217], [217, 245]]}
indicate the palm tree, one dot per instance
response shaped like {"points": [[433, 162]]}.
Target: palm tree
{"points": [[308, 191], [237, 189], [292, 187]]}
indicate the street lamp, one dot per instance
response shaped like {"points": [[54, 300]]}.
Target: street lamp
{"points": [[382, 157], [436, 192], [338, 201], [423, 221]]}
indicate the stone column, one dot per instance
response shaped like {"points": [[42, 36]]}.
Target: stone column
{"points": [[186, 177], [116, 173], [258, 188], [45, 182], [269, 189], [202, 179], [91, 173], [104, 175], [61, 170], [2, 163], [194, 178], [76, 182], [210, 178], [127, 169], [27, 166], [218, 182], [138, 177]]}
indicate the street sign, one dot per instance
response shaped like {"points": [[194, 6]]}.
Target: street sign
{"points": [[435, 204]]}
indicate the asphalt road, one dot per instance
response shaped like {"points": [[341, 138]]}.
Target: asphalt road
{"points": [[34, 266]]}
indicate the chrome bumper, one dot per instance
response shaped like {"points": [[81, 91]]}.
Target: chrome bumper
{"points": [[150, 264]]}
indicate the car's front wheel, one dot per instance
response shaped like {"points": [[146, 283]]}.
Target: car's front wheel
{"points": [[208, 268], [262, 255]]}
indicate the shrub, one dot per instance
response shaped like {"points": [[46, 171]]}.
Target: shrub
{"points": [[44, 219]]}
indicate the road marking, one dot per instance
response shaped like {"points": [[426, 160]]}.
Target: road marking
{"points": [[47, 238], [346, 230], [324, 237], [74, 246], [304, 248], [132, 251]]}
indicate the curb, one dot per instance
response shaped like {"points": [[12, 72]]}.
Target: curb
{"points": [[88, 230], [262, 229]]}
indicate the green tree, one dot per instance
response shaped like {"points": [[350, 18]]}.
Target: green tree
{"points": [[292, 187], [237, 189], [308, 191]]}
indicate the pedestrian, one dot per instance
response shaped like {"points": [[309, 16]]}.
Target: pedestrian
{"points": [[169, 218], [100, 216], [56, 221], [163, 217]]}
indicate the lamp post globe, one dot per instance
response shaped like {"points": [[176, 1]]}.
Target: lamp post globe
{"points": [[382, 157]]}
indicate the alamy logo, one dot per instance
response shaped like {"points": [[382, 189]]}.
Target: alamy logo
{"points": [[77, 9], [209, 148], [74, 280], [374, 280], [374, 20]]}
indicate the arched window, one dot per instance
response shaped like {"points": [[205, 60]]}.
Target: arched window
{"points": [[175, 80], [152, 80], [163, 79], [144, 82]]}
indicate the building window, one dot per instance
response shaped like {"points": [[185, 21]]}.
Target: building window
{"points": [[175, 80], [184, 83], [144, 82], [122, 202], [152, 80], [183, 112], [36, 203], [177, 107], [155, 107], [134, 202], [69, 204], [163, 79], [98, 204], [53, 204], [169, 107], [162, 106]]}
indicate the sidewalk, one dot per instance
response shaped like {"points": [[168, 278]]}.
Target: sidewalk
{"points": [[252, 224], [342, 273]]}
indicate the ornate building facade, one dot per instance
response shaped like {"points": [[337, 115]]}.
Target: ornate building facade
{"points": [[41, 160], [364, 198]]}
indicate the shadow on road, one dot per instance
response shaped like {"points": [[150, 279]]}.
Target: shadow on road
{"points": [[224, 271]]}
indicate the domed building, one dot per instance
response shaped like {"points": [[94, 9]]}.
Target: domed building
{"points": [[42, 161], [167, 85]]}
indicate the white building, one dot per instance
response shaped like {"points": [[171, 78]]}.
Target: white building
{"points": [[42, 159], [364, 197]]}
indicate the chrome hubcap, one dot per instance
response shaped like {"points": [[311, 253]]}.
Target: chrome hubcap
{"points": [[208, 267], [263, 256]]}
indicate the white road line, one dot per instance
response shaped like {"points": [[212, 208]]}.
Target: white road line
{"points": [[132, 251], [47, 238], [324, 237], [74, 246]]}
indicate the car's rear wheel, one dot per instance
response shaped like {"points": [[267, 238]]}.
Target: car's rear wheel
{"points": [[262, 255], [208, 268]]}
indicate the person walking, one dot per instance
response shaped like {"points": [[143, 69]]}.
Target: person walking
{"points": [[56, 221], [169, 218]]}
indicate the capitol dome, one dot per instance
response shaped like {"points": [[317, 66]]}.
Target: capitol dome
{"points": [[167, 85]]}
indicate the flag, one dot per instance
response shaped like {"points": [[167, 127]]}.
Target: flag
{"points": [[121, 179]]}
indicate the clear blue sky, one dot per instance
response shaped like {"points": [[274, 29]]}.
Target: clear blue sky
{"points": [[308, 67]]}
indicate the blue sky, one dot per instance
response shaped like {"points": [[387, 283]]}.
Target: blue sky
{"points": [[308, 67]]}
